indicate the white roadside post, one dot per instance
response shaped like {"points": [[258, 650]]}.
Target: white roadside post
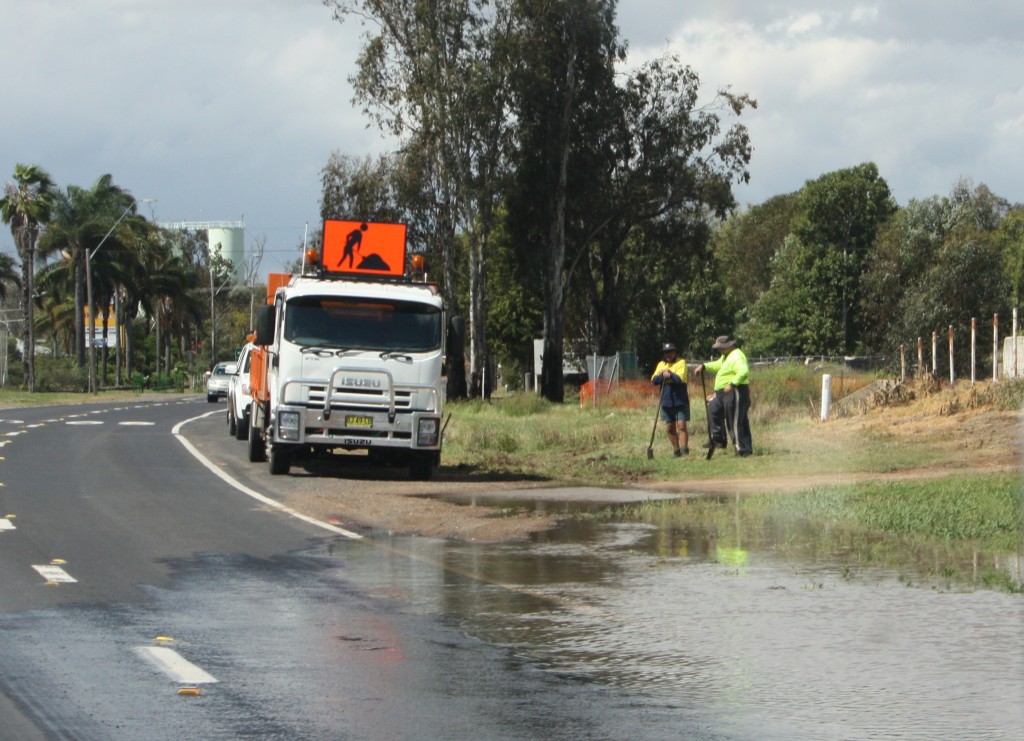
{"points": [[826, 395]]}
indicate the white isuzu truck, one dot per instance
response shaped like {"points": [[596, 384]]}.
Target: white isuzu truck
{"points": [[351, 356]]}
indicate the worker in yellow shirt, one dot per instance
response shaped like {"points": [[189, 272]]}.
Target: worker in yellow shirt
{"points": [[671, 375], [729, 404]]}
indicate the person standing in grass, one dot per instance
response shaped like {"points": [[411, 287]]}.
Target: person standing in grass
{"points": [[729, 404], [671, 375]]}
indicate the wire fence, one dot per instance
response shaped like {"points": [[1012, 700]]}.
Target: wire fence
{"points": [[955, 354]]}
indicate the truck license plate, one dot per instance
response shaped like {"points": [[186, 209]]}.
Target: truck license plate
{"points": [[353, 421]]}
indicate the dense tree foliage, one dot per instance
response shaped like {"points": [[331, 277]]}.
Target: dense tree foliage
{"points": [[936, 264], [745, 244], [816, 276]]}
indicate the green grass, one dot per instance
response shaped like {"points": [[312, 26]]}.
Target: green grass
{"points": [[10, 398]]}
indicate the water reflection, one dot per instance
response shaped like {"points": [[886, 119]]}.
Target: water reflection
{"points": [[771, 629]]}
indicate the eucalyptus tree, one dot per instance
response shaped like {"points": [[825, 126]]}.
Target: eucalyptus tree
{"points": [[26, 207], [936, 264], [1011, 236], [567, 51], [654, 155], [840, 214], [812, 305], [432, 73], [745, 243]]}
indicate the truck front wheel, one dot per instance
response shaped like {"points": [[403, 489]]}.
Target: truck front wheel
{"points": [[421, 467], [279, 461]]}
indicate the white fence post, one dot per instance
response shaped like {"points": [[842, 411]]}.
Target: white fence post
{"points": [[995, 347], [952, 376], [1015, 369], [826, 395], [974, 343]]}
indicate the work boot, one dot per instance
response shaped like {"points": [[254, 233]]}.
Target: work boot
{"points": [[720, 446], [680, 452]]}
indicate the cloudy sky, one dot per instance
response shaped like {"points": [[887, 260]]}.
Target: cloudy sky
{"points": [[228, 109]]}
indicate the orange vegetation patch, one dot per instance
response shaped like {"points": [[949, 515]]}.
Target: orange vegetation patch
{"points": [[622, 394]]}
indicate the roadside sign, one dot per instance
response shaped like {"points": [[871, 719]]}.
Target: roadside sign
{"points": [[364, 248]]}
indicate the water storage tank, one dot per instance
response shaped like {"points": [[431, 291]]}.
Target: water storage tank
{"points": [[225, 237], [229, 242]]}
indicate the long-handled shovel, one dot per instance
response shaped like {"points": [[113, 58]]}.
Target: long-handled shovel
{"points": [[707, 414], [657, 409]]}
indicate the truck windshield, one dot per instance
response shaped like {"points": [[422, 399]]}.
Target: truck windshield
{"points": [[363, 324]]}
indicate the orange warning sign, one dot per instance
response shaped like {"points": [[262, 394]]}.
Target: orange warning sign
{"points": [[364, 247]]}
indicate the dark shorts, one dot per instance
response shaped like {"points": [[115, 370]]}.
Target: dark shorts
{"points": [[675, 414]]}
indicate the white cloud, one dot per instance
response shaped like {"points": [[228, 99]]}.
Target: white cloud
{"points": [[840, 84]]}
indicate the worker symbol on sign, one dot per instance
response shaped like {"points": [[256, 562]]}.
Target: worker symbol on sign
{"points": [[353, 244]]}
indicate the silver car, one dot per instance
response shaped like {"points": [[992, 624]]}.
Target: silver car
{"points": [[217, 383]]}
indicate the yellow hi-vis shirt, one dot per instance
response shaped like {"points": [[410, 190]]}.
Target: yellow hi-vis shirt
{"points": [[678, 368], [731, 368]]}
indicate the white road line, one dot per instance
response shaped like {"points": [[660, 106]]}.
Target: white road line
{"points": [[6, 524], [14, 434], [55, 574], [84, 422], [171, 663], [136, 424], [250, 492]]}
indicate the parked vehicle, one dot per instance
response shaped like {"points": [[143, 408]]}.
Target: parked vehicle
{"points": [[239, 395], [350, 359], [217, 383]]}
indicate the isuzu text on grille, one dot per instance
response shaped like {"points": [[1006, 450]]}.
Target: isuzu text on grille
{"points": [[360, 382]]}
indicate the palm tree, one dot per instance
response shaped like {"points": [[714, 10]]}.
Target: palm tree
{"points": [[84, 220], [9, 275], [26, 207]]}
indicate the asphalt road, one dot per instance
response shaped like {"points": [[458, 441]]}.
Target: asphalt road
{"points": [[143, 597]]}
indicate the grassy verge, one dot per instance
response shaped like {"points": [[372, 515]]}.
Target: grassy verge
{"points": [[11, 398], [522, 434]]}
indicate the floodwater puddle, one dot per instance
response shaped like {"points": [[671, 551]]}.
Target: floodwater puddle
{"points": [[558, 500], [771, 629]]}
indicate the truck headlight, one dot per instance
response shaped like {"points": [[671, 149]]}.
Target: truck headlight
{"points": [[288, 425], [426, 432]]}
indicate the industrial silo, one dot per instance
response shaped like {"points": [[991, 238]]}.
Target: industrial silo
{"points": [[228, 240]]}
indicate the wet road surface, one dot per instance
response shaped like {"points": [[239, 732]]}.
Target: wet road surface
{"points": [[594, 631]]}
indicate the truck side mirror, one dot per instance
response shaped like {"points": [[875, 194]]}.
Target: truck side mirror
{"points": [[265, 325]]}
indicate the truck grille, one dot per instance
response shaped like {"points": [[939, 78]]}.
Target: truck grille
{"points": [[349, 398]]}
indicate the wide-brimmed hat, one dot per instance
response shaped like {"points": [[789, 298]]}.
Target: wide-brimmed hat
{"points": [[724, 343], [668, 347]]}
